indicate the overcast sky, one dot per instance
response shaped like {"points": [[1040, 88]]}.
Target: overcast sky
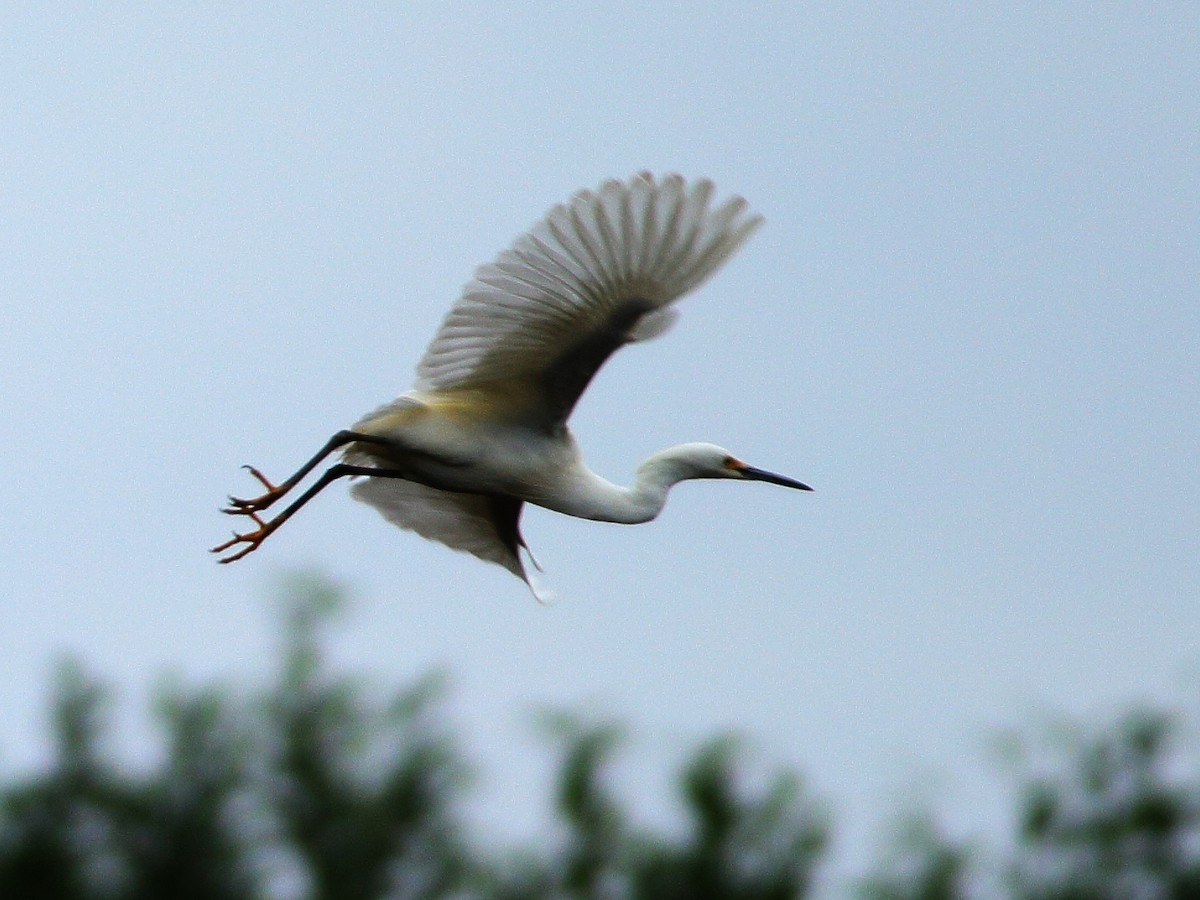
{"points": [[971, 322]]}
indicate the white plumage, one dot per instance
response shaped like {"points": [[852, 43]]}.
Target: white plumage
{"points": [[484, 428], [462, 521], [575, 269]]}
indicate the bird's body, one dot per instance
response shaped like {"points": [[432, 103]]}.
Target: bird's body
{"points": [[484, 429], [466, 444], [444, 447]]}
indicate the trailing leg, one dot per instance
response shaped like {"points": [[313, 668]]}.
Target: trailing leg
{"points": [[240, 507], [252, 539]]}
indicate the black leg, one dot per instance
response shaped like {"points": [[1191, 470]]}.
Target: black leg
{"points": [[239, 507], [253, 538]]}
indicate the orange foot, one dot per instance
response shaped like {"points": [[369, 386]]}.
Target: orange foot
{"points": [[240, 507], [251, 538]]}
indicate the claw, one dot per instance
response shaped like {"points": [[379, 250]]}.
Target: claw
{"points": [[242, 507], [221, 548], [262, 479], [251, 539]]}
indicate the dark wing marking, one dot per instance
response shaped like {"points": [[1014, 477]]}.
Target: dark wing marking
{"points": [[566, 378], [506, 517]]}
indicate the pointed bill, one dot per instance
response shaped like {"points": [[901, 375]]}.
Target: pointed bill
{"points": [[754, 474]]}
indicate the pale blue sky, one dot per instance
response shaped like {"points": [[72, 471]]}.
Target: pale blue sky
{"points": [[971, 322]]}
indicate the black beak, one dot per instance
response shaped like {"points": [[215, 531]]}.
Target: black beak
{"points": [[771, 478]]}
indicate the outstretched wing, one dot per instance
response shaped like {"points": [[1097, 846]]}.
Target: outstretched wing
{"points": [[488, 527], [597, 272]]}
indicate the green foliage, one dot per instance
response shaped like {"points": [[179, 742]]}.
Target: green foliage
{"points": [[362, 795], [923, 864], [595, 853], [741, 845], [314, 788], [43, 843], [88, 831], [738, 845], [1115, 823]]}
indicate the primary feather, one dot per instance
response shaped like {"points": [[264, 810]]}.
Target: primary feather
{"points": [[597, 272]]}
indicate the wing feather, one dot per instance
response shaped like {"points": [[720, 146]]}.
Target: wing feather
{"points": [[551, 309], [487, 527]]}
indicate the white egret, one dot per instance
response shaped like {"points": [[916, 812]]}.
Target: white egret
{"points": [[484, 430]]}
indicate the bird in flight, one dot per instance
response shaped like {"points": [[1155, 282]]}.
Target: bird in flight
{"points": [[484, 429]]}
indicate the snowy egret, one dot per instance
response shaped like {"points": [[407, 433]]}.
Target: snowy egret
{"points": [[484, 431]]}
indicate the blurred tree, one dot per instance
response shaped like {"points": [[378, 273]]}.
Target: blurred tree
{"points": [[594, 860], [362, 795], [741, 846], [175, 831], [738, 844], [45, 824], [88, 831], [1116, 823], [310, 789], [923, 864], [307, 791]]}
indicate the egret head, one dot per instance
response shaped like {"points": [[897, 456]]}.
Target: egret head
{"points": [[711, 461]]}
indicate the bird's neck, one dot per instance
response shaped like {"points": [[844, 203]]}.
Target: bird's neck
{"points": [[599, 499]]}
